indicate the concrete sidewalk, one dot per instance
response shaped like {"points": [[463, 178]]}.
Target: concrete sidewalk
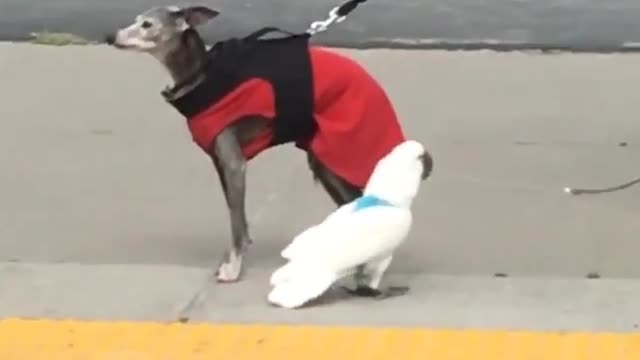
{"points": [[107, 210], [163, 293]]}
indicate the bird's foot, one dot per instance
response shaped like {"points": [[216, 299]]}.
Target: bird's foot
{"points": [[378, 294]]}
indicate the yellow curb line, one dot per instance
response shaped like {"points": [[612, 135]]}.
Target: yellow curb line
{"points": [[78, 340]]}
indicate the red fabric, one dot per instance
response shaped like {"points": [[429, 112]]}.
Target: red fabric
{"points": [[356, 122]]}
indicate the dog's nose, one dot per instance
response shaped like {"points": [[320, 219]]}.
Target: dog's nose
{"points": [[110, 39]]}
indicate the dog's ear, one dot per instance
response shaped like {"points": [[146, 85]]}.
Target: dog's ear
{"points": [[195, 15]]}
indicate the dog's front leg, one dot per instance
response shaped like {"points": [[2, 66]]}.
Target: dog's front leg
{"points": [[231, 166]]}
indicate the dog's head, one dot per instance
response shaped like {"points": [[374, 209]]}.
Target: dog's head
{"points": [[159, 30]]}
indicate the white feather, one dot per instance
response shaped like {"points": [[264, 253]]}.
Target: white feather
{"points": [[316, 232], [347, 238], [317, 263], [300, 290], [363, 236]]}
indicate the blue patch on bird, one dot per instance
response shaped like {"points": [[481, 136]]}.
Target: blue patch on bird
{"points": [[368, 201]]}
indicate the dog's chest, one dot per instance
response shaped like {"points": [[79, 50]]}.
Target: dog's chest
{"points": [[265, 78]]}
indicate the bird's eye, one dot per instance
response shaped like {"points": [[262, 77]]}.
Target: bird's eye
{"points": [[146, 24]]}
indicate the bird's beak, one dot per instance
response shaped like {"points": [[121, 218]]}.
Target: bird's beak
{"points": [[427, 164]]}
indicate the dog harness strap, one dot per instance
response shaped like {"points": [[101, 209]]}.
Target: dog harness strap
{"points": [[289, 72], [284, 62], [256, 35]]}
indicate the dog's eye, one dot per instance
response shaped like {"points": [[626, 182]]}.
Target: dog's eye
{"points": [[146, 24]]}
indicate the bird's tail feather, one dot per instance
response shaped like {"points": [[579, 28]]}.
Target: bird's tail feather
{"points": [[283, 273], [300, 242], [301, 289]]}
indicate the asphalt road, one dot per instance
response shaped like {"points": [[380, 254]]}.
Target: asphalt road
{"points": [[108, 210], [578, 24]]}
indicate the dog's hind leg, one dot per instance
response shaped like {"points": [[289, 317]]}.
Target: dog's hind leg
{"points": [[231, 165], [340, 191]]}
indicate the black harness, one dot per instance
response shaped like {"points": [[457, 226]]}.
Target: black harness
{"points": [[284, 62]]}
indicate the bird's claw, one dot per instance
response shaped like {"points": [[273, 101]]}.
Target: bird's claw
{"points": [[365, 291]]}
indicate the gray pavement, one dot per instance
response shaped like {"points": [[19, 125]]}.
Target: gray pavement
{"points": [[108, 210]]}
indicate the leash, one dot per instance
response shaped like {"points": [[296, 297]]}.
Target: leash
{"points": [[580, 191], [336, 15]]}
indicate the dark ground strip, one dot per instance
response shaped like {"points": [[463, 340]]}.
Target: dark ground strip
{"points": [[548, 25]]}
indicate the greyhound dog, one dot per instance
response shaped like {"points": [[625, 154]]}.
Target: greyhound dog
{"points": [[169, 35]]}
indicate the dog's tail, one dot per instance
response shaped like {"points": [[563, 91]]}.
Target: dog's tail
{"points": [[580, 191]]}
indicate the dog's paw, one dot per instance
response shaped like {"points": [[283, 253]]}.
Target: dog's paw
{"points": [[230, 269]]}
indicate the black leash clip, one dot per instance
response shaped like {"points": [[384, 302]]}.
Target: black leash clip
{"points": [[336, 15]]}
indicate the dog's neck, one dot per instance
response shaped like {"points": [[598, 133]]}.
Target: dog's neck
{"points": [[184, 63]]}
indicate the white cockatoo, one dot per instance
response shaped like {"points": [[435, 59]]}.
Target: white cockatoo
{"points": [[359, 238]]}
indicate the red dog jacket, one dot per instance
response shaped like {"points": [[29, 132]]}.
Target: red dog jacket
{"points": [[323, 101]]}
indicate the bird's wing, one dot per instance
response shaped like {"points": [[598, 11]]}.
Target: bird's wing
{"points": [[340, 213], [316, 232], [358, 238]]}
